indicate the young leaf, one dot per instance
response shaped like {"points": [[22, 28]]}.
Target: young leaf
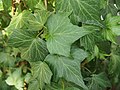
{"points": [[16, 79], [18, 21], [61, 34], [42, 72], [66, 68]]}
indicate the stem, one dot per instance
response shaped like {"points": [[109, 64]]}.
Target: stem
{"points": [[45, 2], [40, 33]]}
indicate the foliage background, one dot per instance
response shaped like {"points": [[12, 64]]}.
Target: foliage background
{"points": [[59, 44]]}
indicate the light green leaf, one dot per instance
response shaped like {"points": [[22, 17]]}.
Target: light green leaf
{"points": [[64, 67], [61, 34], [113, 23], [6, 59], [42, 72], [18, 21], [87, 11], [1, 5], [16, 79], [99, 82], [37, 20]]}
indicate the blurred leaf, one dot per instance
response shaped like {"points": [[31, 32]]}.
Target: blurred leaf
{"points": [[99, 82], [6, 59]]}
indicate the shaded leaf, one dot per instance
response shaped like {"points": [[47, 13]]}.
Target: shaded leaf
{"points": [[6, 59], [99, 82]]}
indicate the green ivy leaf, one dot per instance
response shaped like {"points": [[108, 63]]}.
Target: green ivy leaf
{"points": [[34, 85], [61, 34], [33, 48], [114, 64], [36, 51], [18, 21], [79, 54], [66, 68], [16, 79], [21, 38], [86, 11], [35, 4], [118, 3], [1, 5], [42, 72], [37, 20], [113, 23], [99, 82], [6, 59], [7, 4]]}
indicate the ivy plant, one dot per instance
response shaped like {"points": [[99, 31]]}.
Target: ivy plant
{"points": [[59, 44]]}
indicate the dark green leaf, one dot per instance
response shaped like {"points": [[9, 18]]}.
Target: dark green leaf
{"points": [[66, 68], [6, 59], [36, 51], [87, 11], [99, 82]]}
